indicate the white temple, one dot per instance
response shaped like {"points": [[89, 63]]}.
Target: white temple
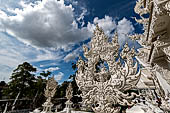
{"points": [[106, 76], [154, 56]]}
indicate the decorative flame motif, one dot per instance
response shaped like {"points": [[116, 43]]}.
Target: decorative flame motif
{"points": [[103, 86]]}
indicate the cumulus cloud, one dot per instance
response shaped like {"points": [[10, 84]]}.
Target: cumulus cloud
{"points": [[5, 4], [124, 28], [59, 76], [49, 23], [107, 24]]}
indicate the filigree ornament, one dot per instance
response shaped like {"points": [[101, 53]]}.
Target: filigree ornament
{"points": [[103, 77], [165, 105], [139, 8]]}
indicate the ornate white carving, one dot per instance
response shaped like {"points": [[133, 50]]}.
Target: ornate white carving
{"points": [[103, 78], [158, 47], [167, 6], [49, 93], [139, 8], [164, 98], [69, 95], [165, 105], [69, 92], [167, 51]]}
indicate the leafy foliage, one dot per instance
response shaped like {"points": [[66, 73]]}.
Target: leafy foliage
{"points": [[45, 74], [22, 80]]}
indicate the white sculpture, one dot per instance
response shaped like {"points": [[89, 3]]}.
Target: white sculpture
{"points": [[103, 86], [69, 95], [49, 93]]}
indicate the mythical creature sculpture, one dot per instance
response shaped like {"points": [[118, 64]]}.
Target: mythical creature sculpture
{"points": [[69, 92], [69, 95], [49, 93], [103, 77]]}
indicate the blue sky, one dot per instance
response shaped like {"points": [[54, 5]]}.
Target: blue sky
{"points": [[49, 34]]}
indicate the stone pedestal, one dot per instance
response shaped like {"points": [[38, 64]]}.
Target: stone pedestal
{"points": [[47, 107], [68, 107]]}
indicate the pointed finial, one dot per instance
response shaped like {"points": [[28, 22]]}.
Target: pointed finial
{"points": [[80, 58], [116, 34], [133, 52], [97, 26], [115, 37], [126, 45], [69, 91]]}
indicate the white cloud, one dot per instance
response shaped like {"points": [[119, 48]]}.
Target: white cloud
{"points": [[49, 23], [51, 69], [5, 72], [80, 19], [73, 55], [70, 56], [48, 64], [124, 27], [59, 76], [107, 24], [5, 4], [45, 54]]}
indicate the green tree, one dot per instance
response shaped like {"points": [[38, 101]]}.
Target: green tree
{"points": [[45, 74], [3, 85], [39, 98], [23, 81]]}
